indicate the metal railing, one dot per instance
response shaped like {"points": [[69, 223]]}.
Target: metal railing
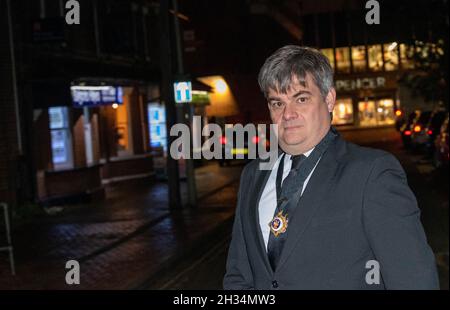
{"points": [[9, 246]]}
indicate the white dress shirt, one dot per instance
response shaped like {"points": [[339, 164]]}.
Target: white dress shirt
{"points": [[268, 201]]}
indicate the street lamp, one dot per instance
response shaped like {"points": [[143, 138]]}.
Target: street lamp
{"points": [[220, 86]]}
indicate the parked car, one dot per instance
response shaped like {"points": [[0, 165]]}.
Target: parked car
{"points": [[407, 127], [239, 152], [418, 133], [441, 154], [433, 130], [423, 139]]}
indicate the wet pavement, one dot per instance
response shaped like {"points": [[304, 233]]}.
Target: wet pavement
{"points": [[120, 242], [133, 241]]}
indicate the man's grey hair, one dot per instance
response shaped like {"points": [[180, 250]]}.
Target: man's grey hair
{"points": [[295, 61]]}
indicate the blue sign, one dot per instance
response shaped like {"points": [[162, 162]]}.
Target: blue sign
{"points": [[91, 96], [183, 91], [157, 125]]}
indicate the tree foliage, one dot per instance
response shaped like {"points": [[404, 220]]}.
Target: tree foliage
{"points": [[429, 77]]}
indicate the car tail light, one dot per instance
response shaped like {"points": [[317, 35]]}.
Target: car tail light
{"points": [[430, 132], [255, 139], [223, 140], [407, 132], [417, 128]]}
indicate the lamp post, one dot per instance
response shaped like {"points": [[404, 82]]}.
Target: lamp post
{"points": [[186, 109], [168, 97]]}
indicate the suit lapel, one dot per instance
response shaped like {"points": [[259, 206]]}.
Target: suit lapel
{"points": [[317, 188], [260, 180]]}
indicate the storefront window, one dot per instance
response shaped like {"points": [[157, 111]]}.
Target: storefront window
{"points": [[157, 125], [376, 112], [343, 59], [359, 58], [385, 112], [390, 56], [406, 56], [367, 113], [343, 112], [375, 58], [330, 55], [60, 137]]}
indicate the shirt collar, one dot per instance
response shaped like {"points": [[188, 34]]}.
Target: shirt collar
{"points": [[307, 153]]}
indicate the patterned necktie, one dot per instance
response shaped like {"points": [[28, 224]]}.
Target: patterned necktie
{"points": [[274, 246], [287, 192]]}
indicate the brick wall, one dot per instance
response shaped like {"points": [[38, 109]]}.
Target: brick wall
{"points": [[130, 167], [72, 182]]}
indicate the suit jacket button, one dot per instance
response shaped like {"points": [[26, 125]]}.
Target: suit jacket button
{"points": [[274, 284]]}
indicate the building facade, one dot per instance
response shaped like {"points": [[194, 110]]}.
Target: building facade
{"points": [[370, 61], [76, 99]]}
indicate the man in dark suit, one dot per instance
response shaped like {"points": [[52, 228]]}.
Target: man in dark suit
{"points": [[330, 214]]}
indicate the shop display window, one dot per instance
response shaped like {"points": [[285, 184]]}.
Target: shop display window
{"points": [[343, 59], [367, 113], [359, 58], [385, 112], [375, 58], [60, 137], [390, 56], [343, 112], [376, 112]]}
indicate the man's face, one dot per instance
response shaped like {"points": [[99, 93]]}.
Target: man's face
{"points": [[302, 115]]}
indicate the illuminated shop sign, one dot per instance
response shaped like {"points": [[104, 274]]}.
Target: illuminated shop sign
{"points": [[363, 83], [157, 125], [200, 97], [89, 96]]}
